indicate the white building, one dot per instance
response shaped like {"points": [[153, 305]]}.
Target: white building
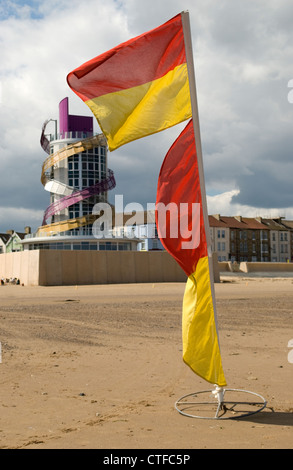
{"points": [[220, 237], [76, 175]]}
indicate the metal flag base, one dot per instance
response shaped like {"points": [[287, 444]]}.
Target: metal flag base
{"points": [[218, 406]]}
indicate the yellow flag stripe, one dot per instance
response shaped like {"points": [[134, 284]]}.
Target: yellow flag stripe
{"points": [[136, 112], [200, 340]]}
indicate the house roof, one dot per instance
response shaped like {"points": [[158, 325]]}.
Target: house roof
{"points": [[254, 224], [287, 223], [20, 235], [244, 223], [274, 224], [5, 237], [215, 221]]}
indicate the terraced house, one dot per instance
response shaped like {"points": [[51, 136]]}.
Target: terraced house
{"points": [[246, 239], [280, 240], [289, 225], [251, 239]]}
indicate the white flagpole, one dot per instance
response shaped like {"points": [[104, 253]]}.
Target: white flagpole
{"points": [[195, 118]]}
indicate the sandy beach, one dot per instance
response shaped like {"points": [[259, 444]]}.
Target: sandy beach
{"points": [[100, 367]]}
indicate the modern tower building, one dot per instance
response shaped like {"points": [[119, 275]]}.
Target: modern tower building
{"points": [[76, 175]]}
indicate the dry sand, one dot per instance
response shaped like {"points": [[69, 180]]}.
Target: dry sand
{"points": [[100, 367]]}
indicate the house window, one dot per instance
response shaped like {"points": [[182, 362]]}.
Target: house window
{"points": [[155, 244]]}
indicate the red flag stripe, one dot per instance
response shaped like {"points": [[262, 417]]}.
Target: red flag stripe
{"points": [[153, 54], [179, 183]]}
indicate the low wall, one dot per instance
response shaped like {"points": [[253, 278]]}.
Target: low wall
{"points": [[24, 265], [107, 267], [58, 267], [249, 267], [225, 266]]}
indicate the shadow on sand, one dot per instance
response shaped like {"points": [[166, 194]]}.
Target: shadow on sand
{"points": [[269, 416]]}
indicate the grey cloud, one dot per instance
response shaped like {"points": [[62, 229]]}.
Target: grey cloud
{"points": [[243, 59], [262, 189]]}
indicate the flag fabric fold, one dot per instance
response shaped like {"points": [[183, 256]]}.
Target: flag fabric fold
{"points": [[179, 185], [138, 88]]}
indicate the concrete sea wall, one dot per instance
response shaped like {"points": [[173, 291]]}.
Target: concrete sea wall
{"points": [[266, 267], [58, 267], [255, 267]]}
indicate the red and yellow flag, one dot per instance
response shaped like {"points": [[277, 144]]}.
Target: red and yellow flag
{"points": [[136, 89], [180, 225], [139, 87]]}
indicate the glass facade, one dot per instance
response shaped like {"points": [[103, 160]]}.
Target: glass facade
{"points": [[87, 168], [83, 245], [84, 170]]}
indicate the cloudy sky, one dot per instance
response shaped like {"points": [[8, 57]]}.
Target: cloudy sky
{"points": [[243, 55]]}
